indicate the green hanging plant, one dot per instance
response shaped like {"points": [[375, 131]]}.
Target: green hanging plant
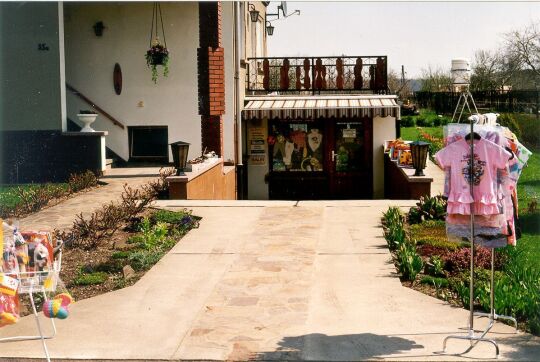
{"points": [[158, 54]]}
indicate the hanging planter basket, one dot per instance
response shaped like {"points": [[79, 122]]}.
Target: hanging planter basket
{"points": [[157, 54]]}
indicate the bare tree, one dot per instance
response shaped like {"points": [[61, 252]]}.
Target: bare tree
{"points": [[398, 86], [436, 80], [493, 69], [524, 46], [485, 69]]}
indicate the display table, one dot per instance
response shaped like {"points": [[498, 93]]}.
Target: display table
{"points": [[401, 184]]}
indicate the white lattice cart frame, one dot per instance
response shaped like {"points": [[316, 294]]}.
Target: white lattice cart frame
{"points": [[38, 282]]}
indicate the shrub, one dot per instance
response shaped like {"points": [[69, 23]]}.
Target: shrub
{"points": [[145, 259], [395, 236], [461, 259], [91, 278], [407, 121], [508, 120], [435, 281], [422, 121], [409, 262], [88, 232], [180, 221], [428, 208], [81, 181], [435, 266], [160, 187], [393, 217]]}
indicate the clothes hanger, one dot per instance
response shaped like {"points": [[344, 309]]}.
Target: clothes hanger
{"points": [[475, 135]]}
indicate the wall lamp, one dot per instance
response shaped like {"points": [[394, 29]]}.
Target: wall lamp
{"points": [[98, 28], [253, 13], [269, 28]]}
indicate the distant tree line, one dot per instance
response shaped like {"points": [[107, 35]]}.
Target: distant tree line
{"points": [[515, 64]]}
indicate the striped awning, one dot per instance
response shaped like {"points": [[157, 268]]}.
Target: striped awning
{"points": [[311, 107]]}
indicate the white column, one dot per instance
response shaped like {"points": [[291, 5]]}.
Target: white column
{"points": [[62, 56]]}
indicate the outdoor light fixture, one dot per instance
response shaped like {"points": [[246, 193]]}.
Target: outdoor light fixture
{"points": [[253, 13], [180, 152], [269, 28], [419, 151], [98, 28]]}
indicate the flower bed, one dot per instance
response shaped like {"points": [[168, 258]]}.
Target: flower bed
{"points": [[428, 262]]}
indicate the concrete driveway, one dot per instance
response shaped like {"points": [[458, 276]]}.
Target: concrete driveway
{"points": [[271, 281]]}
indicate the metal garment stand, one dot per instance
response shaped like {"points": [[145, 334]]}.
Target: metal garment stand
{"points": [[471, 336], [492, 315]]}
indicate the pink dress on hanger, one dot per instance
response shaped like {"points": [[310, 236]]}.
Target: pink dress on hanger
{"points": [[488, 157]]}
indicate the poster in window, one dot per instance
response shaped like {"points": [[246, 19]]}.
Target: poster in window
{"points": [[257, 146]]}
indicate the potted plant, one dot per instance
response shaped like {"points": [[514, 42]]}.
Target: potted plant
{"points": [[87, 117], [158, 54]]}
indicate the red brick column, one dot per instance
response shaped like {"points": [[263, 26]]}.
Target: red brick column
{"points": [[211, 76]]}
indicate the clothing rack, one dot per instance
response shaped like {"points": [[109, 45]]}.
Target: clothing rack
{"points": [[472, 336]]}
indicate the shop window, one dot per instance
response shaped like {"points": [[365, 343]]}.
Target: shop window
{"points": [[296, 146]]}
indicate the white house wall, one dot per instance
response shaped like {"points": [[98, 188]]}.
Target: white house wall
{"points": [[227, 28], [90, 62], [383, 129]]}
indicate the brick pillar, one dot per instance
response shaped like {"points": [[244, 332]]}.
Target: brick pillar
{"points": [[211, 76]]}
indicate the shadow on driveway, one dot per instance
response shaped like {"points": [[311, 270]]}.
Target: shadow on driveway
{"points": [[348, 347]]}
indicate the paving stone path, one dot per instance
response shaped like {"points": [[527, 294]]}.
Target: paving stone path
{"points": [[62, 215]]}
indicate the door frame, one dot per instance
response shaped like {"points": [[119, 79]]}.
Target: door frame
{"points": [[334, 177]]}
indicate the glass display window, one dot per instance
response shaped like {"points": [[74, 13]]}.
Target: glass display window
{"points": [[296, 146]]}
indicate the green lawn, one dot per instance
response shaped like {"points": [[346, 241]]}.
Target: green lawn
{"points": [[10, 197], [528, 191], [412, 133]]}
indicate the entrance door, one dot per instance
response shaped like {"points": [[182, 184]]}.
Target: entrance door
{"points": [[350, 155]]}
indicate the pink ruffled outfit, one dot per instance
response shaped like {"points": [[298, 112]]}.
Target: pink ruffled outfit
{"points": [[488, 157]]}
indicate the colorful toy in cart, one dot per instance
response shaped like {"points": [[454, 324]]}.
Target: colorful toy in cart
{"points": [[9, 300], [58, 306]]}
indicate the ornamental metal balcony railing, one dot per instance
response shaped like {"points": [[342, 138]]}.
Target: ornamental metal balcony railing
{"points": [[316, 75]]}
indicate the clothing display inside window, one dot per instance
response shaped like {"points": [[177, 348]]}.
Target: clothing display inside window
{"points": [[492, 173], [296, 146]]}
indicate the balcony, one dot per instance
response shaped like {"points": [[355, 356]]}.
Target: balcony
{"points": [[317, 75]]}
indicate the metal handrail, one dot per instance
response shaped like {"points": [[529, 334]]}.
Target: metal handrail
{"points": [[94, 105]]}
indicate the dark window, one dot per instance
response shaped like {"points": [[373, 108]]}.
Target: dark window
{"points": [[148, 142]]}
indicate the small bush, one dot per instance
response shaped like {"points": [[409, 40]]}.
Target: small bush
{"points": [[435, 281], [407, 121], [393, 217], [395, 236], [435, 266], [508, 120], [428, 208], [409, 262], [461, 259], [145, 259], [120, 255], [91, 279], [422, 121], [81, 181]]}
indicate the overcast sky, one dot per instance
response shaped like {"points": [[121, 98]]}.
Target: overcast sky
{"points": [[415, 34]]}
